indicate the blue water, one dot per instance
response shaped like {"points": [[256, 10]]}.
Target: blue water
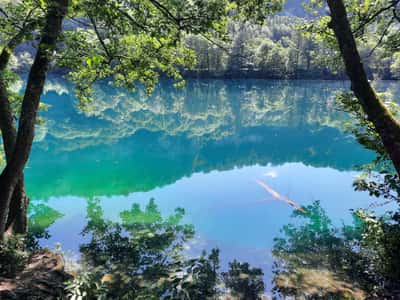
{"points": [[201, 148]]}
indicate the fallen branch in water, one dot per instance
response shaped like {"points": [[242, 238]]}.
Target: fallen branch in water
{"points": [[279, 197]]}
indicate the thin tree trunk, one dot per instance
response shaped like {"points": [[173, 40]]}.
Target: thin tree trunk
{"points": [[385, 123], [14, 169]]}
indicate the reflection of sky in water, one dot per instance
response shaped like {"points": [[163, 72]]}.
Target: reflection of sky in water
{"points": [[201, 148], [228, 209]]}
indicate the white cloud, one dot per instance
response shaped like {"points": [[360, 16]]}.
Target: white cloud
{"points": [[272, 174]]}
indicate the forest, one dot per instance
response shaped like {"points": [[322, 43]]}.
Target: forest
{"points": [[199, 149], [280, 50]]}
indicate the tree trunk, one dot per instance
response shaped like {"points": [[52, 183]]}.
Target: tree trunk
{"points": [[13, 171], [385, 123], [17, 218]]}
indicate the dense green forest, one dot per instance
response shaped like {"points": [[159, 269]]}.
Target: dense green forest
{"points": [[278, 49], [281, 49]]}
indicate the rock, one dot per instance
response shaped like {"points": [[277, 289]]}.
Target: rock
{"points": [[43, 278]]}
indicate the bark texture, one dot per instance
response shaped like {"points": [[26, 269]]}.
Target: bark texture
{"points": [[14, 169], [385, 123], [17, 221]]}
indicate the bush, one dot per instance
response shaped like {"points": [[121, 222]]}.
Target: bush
{"points": [[12, 256]]}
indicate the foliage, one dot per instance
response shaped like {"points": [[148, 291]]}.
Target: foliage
{"points": [[244, 282], [379, 177], [356, 259], [136, 41], [212, 43], [12, 256], [380, 239], [85, 286], [375, 25], [2, 158], [142, 258], [276, 49], [289, 47], [380, 234], [41, 217]]}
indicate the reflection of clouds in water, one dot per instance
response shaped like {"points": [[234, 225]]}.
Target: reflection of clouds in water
{"points": [[196, 245], [57, 87], [52, 85], [272, 174], [41, 132], [211, 111], [21, 61]]}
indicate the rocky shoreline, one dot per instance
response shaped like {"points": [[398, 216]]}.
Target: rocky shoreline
{"points": [[43, 278]]}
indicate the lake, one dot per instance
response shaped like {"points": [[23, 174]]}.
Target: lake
{"points": [[204, 148]]}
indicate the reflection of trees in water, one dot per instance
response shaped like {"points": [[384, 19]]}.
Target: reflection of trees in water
{"points": [[315, 260], [243, 281], [151, 141], [150, 160], [203, 112], [205, 109], [41, 217], [142, 257]]}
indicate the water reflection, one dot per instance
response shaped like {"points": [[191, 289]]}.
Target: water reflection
{"points": [[41, 217], [202, 148], [316, 260], [146, 256], [126, 143], [143, 257]]}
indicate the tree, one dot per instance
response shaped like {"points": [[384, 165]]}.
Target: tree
{"points": [[356, 260], [7, 126], [243, 281], [121, 41], [12, 173], [385, 123], [142, 258]]}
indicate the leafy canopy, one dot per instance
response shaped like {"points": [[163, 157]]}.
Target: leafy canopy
{"points": [[128, 41]]}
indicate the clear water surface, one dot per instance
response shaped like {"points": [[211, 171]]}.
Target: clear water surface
{"points": [[202, 148]]}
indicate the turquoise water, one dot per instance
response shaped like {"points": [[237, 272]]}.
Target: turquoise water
{"points": [[202, 148]]}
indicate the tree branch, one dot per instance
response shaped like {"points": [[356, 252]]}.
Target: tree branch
{"points": [[102, 43], [381, 37], [369, 19], [165, 11]]}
